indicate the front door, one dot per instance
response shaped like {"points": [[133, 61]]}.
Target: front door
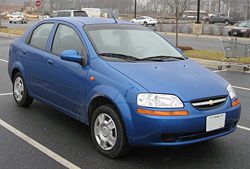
{"points": [[68, 80]]}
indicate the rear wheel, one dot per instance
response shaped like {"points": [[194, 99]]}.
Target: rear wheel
{"points": [[108, 133], [227, 22], [20, 92]]}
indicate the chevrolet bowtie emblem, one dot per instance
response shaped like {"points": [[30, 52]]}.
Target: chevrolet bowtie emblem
{"points": [[211, 102]]}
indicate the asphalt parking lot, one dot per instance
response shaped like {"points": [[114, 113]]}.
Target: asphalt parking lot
{"points": [[41, 137]]}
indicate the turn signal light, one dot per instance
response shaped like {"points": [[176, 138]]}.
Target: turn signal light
{"points": [[236, 102], [163, 113]]}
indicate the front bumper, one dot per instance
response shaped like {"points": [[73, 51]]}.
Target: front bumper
{"points": [[16, 19], [172, 131]]}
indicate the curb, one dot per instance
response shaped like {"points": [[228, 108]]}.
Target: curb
{"points": [[9, 35], [214, 65], [201, 35]]}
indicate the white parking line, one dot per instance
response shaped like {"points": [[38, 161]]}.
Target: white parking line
{"points": [[38, 146], [5, 94], [244, 128], [242, 88], [4, 60]]}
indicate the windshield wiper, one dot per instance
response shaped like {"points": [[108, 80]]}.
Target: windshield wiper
{"points": [[119, 56], [162, 58]]}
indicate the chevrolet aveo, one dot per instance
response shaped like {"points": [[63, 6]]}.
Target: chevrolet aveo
{"points": [[126, 82]]}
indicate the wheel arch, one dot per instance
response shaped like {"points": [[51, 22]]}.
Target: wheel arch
{"points": [[99, 101], [14, 72], [102, 95], [16, 67]]}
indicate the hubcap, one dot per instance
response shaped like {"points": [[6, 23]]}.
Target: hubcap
{"points": [[105, 131], [18, 89]]}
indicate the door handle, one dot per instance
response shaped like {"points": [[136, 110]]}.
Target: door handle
{"points": [[23, 51], [50, 62]]}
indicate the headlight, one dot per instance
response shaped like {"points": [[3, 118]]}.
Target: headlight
{"points": [[231, 92], [243, 30], [159, 100]]}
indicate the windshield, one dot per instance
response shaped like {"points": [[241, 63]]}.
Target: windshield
{"points": [[244, 24], [80, 13], [132, 41]]}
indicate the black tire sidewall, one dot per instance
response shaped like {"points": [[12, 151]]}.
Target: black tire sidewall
{"points": [[25, 95], [121, 145]]}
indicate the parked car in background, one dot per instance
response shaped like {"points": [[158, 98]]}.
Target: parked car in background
{"points": [[129, 84], [192, 15], [220, 18], [145, 20], [243, 30], [70, 13], [18, 17]]}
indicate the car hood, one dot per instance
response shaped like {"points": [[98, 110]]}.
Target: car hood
{"points": [[186, 79], [241, 28]]}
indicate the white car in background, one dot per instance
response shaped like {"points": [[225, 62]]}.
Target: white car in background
{"points": [[70, 13], [145, 20], [18, 17]]}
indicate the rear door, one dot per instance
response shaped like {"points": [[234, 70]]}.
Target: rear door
{"points": [[33, 53]]}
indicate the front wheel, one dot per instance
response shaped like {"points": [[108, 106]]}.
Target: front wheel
{"points": [[108, 133], [20, 91], [145, 24]]}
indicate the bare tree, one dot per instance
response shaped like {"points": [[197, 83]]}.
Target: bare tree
{"points": [[178, 7], [2, 3]]}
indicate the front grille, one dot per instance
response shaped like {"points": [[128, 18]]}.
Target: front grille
{"points": [[236, 30], [209, 103], [170, 138]]}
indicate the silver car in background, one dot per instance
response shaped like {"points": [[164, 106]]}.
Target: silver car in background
{"points": [[18, 17], [70, 13]]}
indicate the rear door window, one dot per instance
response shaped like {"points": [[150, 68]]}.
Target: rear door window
{"points": [[40, 36]]}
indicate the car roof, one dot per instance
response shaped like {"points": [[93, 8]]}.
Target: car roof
{"points": [[89, 20], [68, 10]]}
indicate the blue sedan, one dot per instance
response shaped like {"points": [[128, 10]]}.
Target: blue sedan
{"points": [[131, 86]]}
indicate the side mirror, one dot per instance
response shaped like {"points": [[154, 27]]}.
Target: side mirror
{"points": [[71, 56]]}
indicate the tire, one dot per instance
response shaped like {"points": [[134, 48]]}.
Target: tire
{"points": [[227, 22], [245, 68], [220, 67], [20, 92], [101, 132], [145, 24], [10, 22]]}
